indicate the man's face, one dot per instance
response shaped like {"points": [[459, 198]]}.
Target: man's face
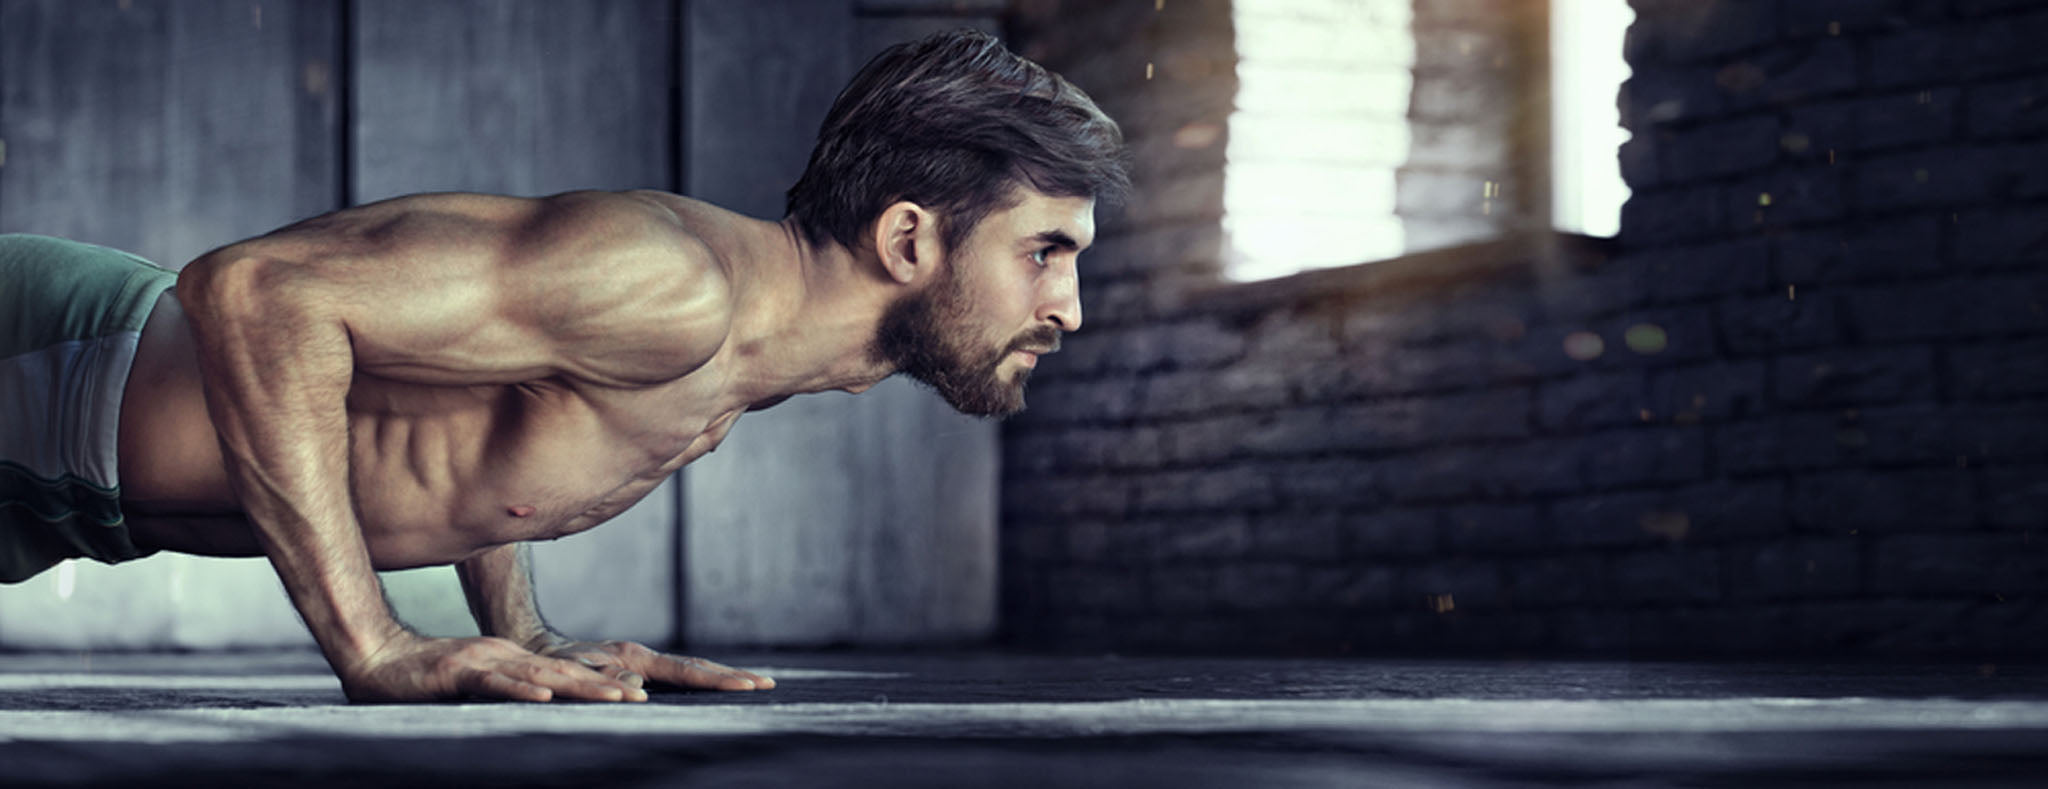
{"points": [[973, 333]]}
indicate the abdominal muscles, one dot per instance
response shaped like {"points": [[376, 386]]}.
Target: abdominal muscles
{"points": [[440, 473], [438, 484]]}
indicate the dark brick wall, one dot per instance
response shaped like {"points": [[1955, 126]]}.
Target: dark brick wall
{"points": [[1811, 422], [1478, 115]]}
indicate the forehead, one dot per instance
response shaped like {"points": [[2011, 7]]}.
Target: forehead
{"points": [[1037, 213]]}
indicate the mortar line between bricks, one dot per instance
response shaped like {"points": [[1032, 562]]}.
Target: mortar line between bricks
{"points": [[1863, 218], [1844, 324], [1864, 87], [1843, 166]]}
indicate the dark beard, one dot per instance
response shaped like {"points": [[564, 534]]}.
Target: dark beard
{"points": [[927, 336]]}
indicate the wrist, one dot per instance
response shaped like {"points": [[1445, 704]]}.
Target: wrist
{"points": [[363, 649], [539, 640]]}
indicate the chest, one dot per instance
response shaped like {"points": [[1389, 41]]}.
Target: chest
{"points": [[581, 467], [522, 463]]}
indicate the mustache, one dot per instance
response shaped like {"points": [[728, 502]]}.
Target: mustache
{"points": [[1043, 337]]}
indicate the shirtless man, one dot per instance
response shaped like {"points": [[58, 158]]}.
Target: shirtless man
{"points": [[436, 378]]}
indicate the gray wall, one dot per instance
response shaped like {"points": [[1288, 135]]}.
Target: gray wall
{"points": [[880, 526], [167, 129], [164, 129], [194, 124]]}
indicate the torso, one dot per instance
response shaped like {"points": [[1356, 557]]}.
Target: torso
{"points": [[439, 473]]}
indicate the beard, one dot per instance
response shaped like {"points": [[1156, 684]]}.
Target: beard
{"points": [[929, 336]]}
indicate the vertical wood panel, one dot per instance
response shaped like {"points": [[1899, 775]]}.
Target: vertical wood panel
{"points": [[928, 476], [165, 129], [518, 97], [878, 32], [759, 79], [768, 550], [830, 518], [528, 97]]}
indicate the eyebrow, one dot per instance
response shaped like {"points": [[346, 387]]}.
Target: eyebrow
{"points": [[1058, 238]]}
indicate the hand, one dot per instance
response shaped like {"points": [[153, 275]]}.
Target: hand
{"points": [[411, 667], [634, 665]]}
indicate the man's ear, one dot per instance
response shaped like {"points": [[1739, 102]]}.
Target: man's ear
{"points": [[907, 240]]}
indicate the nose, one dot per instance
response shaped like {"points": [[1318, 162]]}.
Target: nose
{"points": [[1062, 304]]}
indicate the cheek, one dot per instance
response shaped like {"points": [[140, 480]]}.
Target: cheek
{"points": [[971, 317], [1022, 300], [1000, 313]]}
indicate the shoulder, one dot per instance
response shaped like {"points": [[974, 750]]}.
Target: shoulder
{"points": [[635, 295]]}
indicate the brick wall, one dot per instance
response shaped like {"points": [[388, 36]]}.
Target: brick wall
{"points": [[1811, 422], [1478, 116]]}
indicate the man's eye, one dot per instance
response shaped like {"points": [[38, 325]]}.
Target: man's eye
{"points": [[1039, 256]]}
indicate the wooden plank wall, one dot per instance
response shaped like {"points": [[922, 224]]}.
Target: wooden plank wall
{"points": [[168, 128], [523, 98], [831, 518], [163, 129]]}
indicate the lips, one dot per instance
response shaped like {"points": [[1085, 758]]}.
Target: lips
{"points": [[1031, 354]]}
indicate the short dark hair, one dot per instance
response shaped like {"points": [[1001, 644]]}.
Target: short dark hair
{"points": [[953, 122]]}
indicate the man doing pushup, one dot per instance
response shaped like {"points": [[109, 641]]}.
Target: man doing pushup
{"points": [[437, 378]]}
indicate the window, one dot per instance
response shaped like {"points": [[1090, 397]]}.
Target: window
{"points": [[1321, 126], [1586, 72], [1319, 129]]}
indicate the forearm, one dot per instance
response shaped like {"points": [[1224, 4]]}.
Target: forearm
{"points": [[276, 379], [499, 585]]}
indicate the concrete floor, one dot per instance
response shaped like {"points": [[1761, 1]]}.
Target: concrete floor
{"points": [[988, 720]]}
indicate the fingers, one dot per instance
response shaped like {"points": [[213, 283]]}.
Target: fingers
{"points": [[620, 674], [535, 681], [493, 684], [427, 669], [760, 681], [700, 673], [574, 681], [632, 666], [602, 663]]}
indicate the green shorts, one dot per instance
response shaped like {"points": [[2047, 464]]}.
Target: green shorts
{"points": [[70, 316]]}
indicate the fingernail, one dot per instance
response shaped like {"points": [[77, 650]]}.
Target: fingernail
{"points": [[749, 684]]}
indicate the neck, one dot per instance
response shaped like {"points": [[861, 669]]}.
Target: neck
{"points": [[805, 315]]}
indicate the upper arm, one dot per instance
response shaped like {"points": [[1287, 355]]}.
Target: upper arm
{"points": [[469, 289]]}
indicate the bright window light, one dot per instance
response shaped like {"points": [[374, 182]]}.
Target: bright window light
{"points": [[1320, 126], [1587, 70]]}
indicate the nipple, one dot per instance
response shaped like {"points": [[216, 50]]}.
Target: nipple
{"points": [[520, 511]]}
